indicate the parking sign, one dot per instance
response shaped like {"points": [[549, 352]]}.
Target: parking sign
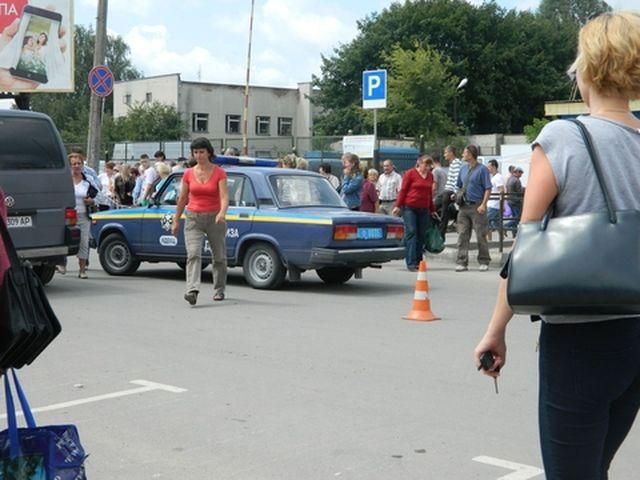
{"points": [[374, 89]]}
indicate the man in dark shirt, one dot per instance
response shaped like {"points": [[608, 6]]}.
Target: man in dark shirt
{"points": [[514, 192]]}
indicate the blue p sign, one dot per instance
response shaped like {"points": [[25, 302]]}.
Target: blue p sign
{"points": [[374, 89]]}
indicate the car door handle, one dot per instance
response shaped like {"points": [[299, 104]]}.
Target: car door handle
{"points": [[244, 215]]}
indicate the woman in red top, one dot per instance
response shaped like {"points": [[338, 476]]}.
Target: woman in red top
{"points": [[415, 202], [205, 194]]}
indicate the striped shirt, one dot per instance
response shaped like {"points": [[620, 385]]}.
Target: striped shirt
{"points": [[388, 186], [452, 176]]}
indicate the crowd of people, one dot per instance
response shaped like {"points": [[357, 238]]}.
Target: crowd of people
{"points": [[429, 196]]}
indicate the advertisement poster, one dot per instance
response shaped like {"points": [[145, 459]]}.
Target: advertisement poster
{"points": [[36, 46]]}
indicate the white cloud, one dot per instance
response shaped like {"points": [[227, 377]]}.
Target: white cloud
{"points": [[151, 53], [289, 22]]}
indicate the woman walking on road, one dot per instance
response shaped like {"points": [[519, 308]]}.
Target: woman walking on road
{"points": [[589, 365], [85, 194], [205, 195], [415, 204]]}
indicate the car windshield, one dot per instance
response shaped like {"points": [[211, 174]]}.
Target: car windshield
{"points": [[304, 191]]}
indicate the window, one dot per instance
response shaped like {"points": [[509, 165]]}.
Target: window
{"points": [[148, 97], [199, 122], [169, 195], [28, 144], [127, 99], [300, 191], [263, 125], [232, 123], [240, 191], [285, 126]]}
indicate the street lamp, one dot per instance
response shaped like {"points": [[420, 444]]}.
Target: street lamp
{"points": [[460, 86]]}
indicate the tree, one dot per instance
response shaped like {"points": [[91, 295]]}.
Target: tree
{"points": [[532, 131], [577, 12], [70, 111], [149, 122], [515, 61], [420, 92]]}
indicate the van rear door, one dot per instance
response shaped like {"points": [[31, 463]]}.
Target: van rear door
{"points": [[36, 179]]}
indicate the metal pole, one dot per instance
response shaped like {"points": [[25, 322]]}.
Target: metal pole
{"points": [[375, 123], [95, 117], [245, 113]]}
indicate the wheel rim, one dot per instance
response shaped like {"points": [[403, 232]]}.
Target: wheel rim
{"points": [[118, 256], [261, 266]]}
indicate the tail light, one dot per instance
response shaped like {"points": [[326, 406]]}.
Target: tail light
{"points": [[395, 232], [70, 217], [345, 232]]}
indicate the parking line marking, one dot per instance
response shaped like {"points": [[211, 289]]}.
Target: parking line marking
{"points": [[146, 386], [522, 472]]}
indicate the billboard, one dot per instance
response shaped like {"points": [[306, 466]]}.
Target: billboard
{"points": [[36, 46]]}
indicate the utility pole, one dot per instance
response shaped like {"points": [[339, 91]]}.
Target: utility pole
{"points": [[245, 113], [94, 139]]}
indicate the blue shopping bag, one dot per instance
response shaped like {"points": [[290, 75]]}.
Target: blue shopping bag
{"points": [[51, 452]]}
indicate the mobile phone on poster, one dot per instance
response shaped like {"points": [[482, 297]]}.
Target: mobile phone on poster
{"points": [[38, 34]]}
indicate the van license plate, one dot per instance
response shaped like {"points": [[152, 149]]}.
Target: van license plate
{"points": [[19, 222]]}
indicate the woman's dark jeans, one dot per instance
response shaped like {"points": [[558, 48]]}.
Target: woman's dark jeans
{"points": [[589, 395], [416, 222]]}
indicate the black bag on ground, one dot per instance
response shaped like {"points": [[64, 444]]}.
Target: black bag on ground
{"points": [[580, 264], [27, 321]]}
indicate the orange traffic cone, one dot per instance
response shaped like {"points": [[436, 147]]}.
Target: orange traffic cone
{"points": [[421, 310]]}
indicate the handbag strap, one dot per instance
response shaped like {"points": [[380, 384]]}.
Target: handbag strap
{"points": [[465, 184], [595, 161], [12, 423], [24, 403]]}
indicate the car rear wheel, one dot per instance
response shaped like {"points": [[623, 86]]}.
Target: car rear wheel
{"points": [[116, 257], [45, 272], [263, 267], [335, 275]]}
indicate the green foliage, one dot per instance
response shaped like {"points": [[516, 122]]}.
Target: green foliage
{"points": [[420, 90], [70, 111], [532, 131], [149, 122], [515, 61], [577, 12]]}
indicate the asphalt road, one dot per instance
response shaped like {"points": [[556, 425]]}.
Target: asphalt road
{"points": [[309, 382]]}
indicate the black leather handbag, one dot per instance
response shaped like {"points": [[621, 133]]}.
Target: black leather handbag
{"points": [[27, 321], [578, 265]]}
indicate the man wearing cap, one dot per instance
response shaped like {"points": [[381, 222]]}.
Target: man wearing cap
{"points": [[514, 192]]}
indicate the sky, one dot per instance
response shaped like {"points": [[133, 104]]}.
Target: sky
{"points": [[206, 40]]}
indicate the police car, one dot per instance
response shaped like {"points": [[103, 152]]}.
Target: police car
{"points": [[279, 221]]}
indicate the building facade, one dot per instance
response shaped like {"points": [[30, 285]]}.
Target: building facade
{"points": [[275, 115]]}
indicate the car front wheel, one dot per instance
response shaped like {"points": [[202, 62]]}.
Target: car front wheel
{"points": [[335, 275], [263, 267], [116, 257]]}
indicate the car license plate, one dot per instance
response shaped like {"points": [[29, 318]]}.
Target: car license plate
{"points": [[369, 233], [19, 222]]}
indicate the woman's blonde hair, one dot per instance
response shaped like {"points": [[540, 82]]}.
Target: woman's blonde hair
{"points": [[163, 169], [609, 54]]}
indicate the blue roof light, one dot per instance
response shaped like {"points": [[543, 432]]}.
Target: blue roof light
{"points": [[245, 161]]}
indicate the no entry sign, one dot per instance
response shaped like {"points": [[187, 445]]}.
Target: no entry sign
{"points": [[101, 80]]}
